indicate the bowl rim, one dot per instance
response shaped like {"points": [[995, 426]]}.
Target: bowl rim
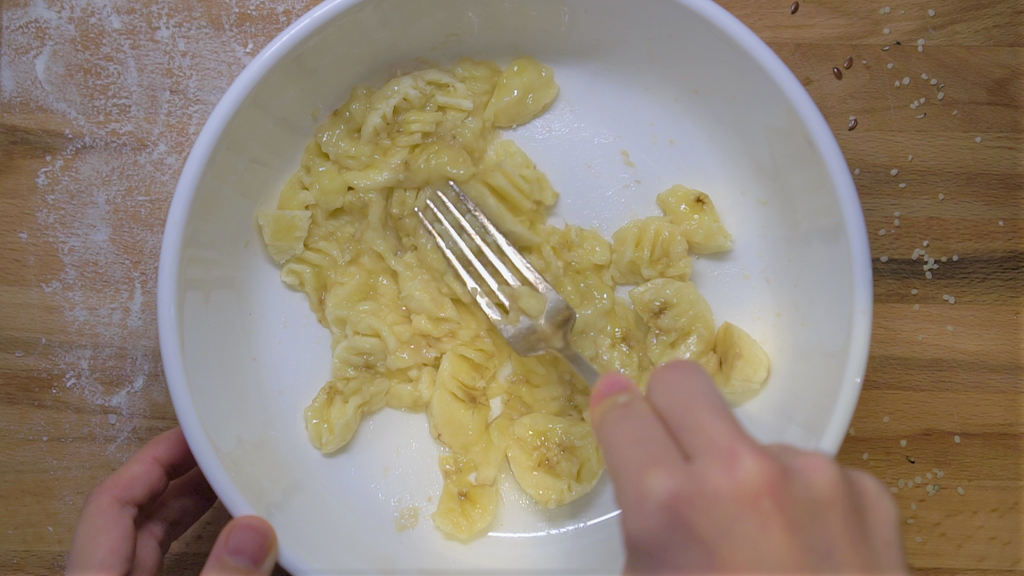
{"points": [[169, 268]]}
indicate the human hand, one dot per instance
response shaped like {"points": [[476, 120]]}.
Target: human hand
{"points": [[699, 495], [130, 519]]}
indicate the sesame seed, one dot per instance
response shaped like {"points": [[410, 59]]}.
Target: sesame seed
{"points": [[910, 158], [930, 487], [978, 139], [945, 297], [885, 419], [903, 443], [920, 48], [886, 31], [906, 80], [903, 185], [864, 62], [917, 479], [914, 291], [897, 83], [942, 196], [894, 171], [955, 257], [955, 112], [884, 259], [1001, 225], [889, 65], [917, 252], [896, 214], [924, 76], [910, 483], [914, 105], [960, 490], [940, 474], [920, 42], [852, 431], [919, 336], [894, 489], [918, 539], [944, 259], [925, 243], [928, 275], [885, 48], [929, 476], [865, 456], [934, 82], [902, 483], [951, 329], [888, 9], [881, 232], [913, 506], [856, 172], [896, 222], [952, 299], [931, 13], [922, 115], [942, 95], [923, 100]]}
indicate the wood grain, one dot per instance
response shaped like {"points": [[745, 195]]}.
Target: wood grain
{"points": [[925, 383]]}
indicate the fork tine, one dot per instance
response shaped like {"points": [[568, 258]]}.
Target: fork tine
{"points": [[518, 259], [489, 308], [467, 253], [484, 246]]}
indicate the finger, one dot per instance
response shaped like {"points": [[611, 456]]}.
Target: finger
{"points": [[640, 455], [882, 516], [164, 521], [688, 402], [104, 540], [247, 546]]}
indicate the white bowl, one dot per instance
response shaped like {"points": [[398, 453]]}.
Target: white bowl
{"points": [[692, 95]]}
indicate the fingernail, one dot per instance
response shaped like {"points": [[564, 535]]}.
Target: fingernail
{"points": [[249, 545], [610, 386]]}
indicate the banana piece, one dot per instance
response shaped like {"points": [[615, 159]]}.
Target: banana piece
{"points": [[694, 212], [284, 232], [524, 91], [743, 363], [459, 407], [681, 324], [466, 507], [555, 460], [650, 248], [335, 413]]}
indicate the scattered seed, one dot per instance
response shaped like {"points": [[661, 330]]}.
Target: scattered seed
{"points": [[960, 490], [943, 259], [884, 259], [917, 479], [888, 9], [951, 329], [894, 489], [794, 7], [856, 172], [924, 76], [914, 291], [940, 474], [978, 139], [929, 476], [881, 232], [1001, 225], [942, 196], [945, 297], [864, 62], [853, 125], [931, 13], [894, 171], [920, 48], [928, 275], [902, 483], [849, 63], [885, 419], [886, 31], [923, 100], [837, 73], [920, 42], [890, 65], [897, 83], [918, 539], [851, 431], [896, 214], [910, 483], [955, 112], [911, 460], [885, 48], [903, 443], [925, 243], [942, 95], [952, 299], [896, 222], [955, 257], [906, 80], [910, 158], [957, 437], [865, 456], [903, 185], [919, 336], [934, 82]]}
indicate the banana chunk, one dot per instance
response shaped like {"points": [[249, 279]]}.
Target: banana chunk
{"points": [[681, 324], [525, 90], [743, 362], [555, 460], [694, 212], [465, 507]]}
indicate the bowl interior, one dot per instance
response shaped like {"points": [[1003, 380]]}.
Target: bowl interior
{"points": [[681, 87]]}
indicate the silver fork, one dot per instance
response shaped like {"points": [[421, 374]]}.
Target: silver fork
{"points": [[530, 337]]}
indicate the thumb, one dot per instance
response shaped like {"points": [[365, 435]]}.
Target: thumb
{"points": [[247, 546]]}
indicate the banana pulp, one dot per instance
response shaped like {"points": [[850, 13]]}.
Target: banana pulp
{"points": [[406, 333]]}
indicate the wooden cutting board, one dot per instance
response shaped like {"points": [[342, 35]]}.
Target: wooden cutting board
{"points": [[99, 105]]}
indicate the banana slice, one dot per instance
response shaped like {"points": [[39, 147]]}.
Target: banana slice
{"points": [[334, 415], [555, 460], [459, 407], [650, 248], [743, 363], [694, 212], [682, 326], [465, 507], [524, 91], [614, 341]]}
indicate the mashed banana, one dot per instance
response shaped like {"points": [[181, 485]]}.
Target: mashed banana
{"points": [[407, 335]]}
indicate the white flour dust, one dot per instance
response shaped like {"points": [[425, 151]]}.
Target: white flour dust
{"points": [[128, 85]]}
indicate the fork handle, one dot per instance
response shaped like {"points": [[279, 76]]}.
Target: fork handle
{"points": [[582, 366]]}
